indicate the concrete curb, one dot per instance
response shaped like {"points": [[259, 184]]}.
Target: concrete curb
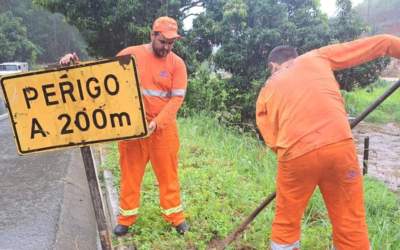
{"points": [[109, 191], [97, 163], [111, 197], [111, 200], [76, 207]]}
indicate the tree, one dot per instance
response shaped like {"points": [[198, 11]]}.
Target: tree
{"points": [[309, 28], [14, 43], [242, 32], [50, 33], [235, 36], [108, 26]]}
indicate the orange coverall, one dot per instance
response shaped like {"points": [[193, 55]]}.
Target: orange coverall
{"points": [[301, 116], [163, 84]]}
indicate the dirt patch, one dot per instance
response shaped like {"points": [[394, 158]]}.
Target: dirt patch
{"points": [[384, 154]]}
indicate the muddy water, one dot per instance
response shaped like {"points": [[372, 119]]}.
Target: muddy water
{"points": [[384, 154]]}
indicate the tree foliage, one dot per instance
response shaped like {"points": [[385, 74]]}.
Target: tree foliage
{"points": [[242, 32], [108, 26], [345, 27], [14, 42], [48, 33], [233, 36], [237, 35]]}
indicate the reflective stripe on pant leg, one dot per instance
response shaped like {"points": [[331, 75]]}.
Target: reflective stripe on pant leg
{"points": [[133, 160], [131, 212], [164, 160], [172, 210], [294, 246]]}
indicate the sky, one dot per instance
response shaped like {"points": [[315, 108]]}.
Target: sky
{"points": [[327, 6]]}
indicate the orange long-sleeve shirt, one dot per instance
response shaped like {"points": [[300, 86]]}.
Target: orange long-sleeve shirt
{"points": [[300, 108], [163, 83]]}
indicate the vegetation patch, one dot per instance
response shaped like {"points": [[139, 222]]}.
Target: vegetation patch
{"points": [[358, 100], [224, 176]]}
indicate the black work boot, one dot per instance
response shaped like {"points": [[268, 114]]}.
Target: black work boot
{"points": [[182, 228], [120, 230]]}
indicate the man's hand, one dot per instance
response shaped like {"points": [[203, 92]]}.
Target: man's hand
{"points": [[68, 59], [152, 127]]}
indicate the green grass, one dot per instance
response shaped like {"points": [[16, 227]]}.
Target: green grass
{"points": [[358, 100], [224, 175]]}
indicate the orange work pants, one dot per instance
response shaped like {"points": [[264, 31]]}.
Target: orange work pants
{"points": [[161, 149], [335, 170]]}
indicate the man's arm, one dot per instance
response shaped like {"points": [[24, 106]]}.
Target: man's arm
{"points": [[178, 91], [264, 126], [350, 54], [126, 51]]}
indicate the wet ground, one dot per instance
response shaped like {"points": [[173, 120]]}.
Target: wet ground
{"points": [[384, 154]]}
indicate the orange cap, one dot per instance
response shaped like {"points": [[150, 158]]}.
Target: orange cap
{"points": [[166, 26]]}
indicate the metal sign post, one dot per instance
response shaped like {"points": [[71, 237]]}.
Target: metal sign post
{"points": [[97, 201]]}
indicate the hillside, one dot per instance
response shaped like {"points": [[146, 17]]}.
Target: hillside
{"points": [[49, 35], [382, 16]]}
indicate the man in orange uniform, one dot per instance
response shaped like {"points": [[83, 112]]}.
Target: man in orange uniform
{"points": [[301, 116], [163, 80]]}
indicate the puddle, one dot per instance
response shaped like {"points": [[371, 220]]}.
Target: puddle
{"points": [[384, 151]]}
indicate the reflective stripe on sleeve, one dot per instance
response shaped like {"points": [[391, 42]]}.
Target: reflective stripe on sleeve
{"points": [[172, 210], [178, 92], [165, 94], [158, 93]]}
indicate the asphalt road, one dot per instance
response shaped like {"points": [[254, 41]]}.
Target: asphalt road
{"points": [[2, 107], [44, 199]]}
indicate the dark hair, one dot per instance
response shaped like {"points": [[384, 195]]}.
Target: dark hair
{"points": [[281, 54]]}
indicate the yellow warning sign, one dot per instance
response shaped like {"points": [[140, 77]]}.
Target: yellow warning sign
{"points": [[75, 106]]}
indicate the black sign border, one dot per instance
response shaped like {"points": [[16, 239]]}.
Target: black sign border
{"points": [[121, 60]]}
